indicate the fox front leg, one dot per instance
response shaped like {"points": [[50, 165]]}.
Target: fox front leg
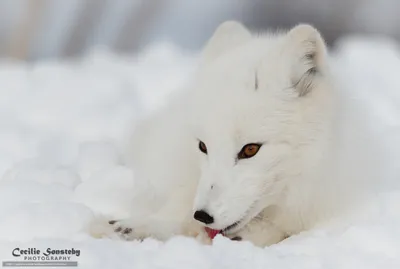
{"points": [[260, 233]]}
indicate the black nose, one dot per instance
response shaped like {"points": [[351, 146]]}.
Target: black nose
{"points": [[203, 216]]}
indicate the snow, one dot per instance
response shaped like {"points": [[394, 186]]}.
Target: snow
{"points": [[61, 130]]}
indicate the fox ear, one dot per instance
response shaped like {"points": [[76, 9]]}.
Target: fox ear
{"points": [[308, 50], [228, 35]]}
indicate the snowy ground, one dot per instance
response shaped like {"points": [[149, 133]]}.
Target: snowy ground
{"points": [[61, 127]]}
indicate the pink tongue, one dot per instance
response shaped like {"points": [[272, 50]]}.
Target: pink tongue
{"points": [[211, 233]]}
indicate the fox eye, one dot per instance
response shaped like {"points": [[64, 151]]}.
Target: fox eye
{"points": [[203, 147], [249, 151]]}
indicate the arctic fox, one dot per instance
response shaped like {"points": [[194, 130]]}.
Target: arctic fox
{"points": [[252, 148]]}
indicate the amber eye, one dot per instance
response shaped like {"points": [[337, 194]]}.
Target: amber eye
{"points": [[202, 147], [249, 151]]}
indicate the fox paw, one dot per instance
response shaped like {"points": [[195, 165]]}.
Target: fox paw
{"points": [[236, 238], [124, 231]]}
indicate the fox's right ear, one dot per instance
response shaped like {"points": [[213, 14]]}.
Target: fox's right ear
{"points": [[309, 55], [228, 35]]}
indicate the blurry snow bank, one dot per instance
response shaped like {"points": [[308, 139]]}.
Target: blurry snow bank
{"points": [[61, 125]]}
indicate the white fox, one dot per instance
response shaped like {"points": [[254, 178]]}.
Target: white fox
{"points": [[254, 148]]}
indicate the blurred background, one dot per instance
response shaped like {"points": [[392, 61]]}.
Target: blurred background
{"points": [[37, 29]]}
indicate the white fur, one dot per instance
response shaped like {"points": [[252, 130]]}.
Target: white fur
{"points": [[251, 89]]}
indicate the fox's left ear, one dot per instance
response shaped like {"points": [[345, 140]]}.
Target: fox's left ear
{"points": [[308, 51], [227, 36]]}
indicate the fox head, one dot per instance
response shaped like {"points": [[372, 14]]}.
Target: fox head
{"points": [[257, 109]]}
